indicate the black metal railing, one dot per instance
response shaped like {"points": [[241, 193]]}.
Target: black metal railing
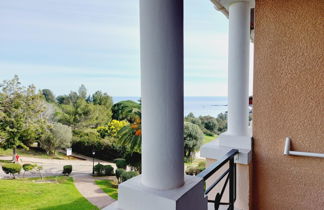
{"points": [[230, 179]]}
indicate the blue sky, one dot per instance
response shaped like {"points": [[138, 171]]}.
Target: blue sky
{"points": [[59, 45]]}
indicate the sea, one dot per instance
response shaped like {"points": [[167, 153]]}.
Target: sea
{"points": [[198, 105]]}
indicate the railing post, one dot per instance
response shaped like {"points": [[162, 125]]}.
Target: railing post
{"points": [[231, 184], [230, 181]]}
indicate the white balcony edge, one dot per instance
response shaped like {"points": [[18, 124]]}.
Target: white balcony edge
{"points": [[133, 195], [219, 147]]}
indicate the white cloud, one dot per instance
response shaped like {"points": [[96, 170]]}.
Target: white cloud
{"points": [[60, 44], [63, 79]]}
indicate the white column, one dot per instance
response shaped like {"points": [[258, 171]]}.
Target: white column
{"points": [[237, 135], [161, 30], [238, 67]]}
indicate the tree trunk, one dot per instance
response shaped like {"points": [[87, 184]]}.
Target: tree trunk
{"points": [[14, 154]]}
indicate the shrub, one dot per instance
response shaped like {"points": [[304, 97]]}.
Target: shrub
{"points": [[109, 170], [99, 169], [196, 168], [28, 167], [67, 169], [11, 168], [207, 132], [112, 128], [202, 164], [193, 138], [134, 159], [118, 173], [190, 170], [126, 175], [121, 163], [102, 131]]}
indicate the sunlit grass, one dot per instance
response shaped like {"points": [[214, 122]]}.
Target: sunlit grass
{"points": [[53, 193], [109, 187], [208, 139], [33, 153]]}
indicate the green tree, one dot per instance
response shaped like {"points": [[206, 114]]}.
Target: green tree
{"points": [[209, 123], [221, 122], [20, 115], [195, 120], [79, 113], [57, 136], [99, 98], [82, 92], [193, 138], [64, 99], [126, 110], [49, 96]]}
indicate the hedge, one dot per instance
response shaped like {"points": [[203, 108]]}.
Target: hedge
{"points": [[11, 168], [67, 169], [127, 175], [118, 173], [28, 166], [196, 168], [134, 160], [99, 169], [103, 170], [108, 170], [120, 163], [104, 149]]}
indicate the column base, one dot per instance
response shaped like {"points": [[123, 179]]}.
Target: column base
{"points": [[225, 142], [133, 195]]}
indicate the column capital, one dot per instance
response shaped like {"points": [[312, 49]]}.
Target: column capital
{"points": [[224, 4]]}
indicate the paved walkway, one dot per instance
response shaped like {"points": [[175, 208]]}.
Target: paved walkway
{"points": [[85, 183], [54, 167], [81, 174]]}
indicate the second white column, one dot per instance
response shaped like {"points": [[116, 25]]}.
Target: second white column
{"points": [[238, 67]]}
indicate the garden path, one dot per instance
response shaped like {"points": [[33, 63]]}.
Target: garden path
{"points": [[85, 183], [54, 167], [81, 174]]}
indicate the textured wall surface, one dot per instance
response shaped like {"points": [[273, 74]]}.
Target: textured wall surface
{"points": [[288, 101]]}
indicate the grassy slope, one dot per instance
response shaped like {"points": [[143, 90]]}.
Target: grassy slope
{"points": [[25, 194], [208, 139], [108, 187], [32, 153]]}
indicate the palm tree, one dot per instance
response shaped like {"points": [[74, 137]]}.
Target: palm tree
{"points": [[131, 134]]}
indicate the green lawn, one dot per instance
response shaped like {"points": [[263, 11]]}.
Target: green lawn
{"points": [[108, 187], [208, 139], [33, 153], [26, 194]]}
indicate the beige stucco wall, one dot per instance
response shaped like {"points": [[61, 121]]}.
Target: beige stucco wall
{"points": [[288, 101]]}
